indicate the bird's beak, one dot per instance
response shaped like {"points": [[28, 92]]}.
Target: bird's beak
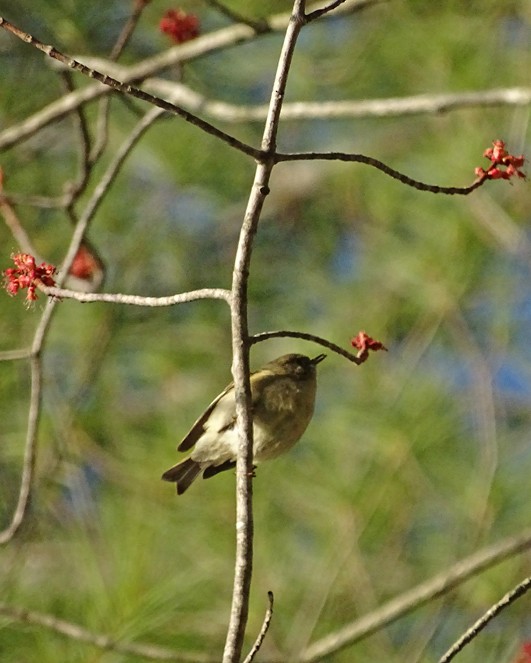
{"points": [[317, 359]]}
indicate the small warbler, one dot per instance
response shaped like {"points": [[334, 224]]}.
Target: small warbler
{"points": [[283, 397]]}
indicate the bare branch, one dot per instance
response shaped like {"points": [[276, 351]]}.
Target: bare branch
{"points": [[17, 230], [105, 103], [475, 629], [375, 163], [325, 10], [206, 44], [414, 598], [73, 189], [260, 26], [422, 104], [11, 355], [138, 300], [103, 186], [281, 333], [30, 448], [76, 632], [30, 452], [128, 29], [129, 89], [240, 347], [263, 631]]}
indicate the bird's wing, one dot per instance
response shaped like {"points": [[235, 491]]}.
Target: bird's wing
{"points": [[220, 414], [199, 426]]}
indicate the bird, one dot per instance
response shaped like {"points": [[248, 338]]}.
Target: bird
{"points": [[283, 399]]}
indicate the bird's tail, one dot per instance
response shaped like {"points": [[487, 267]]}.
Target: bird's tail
{"points": [[184, 473]]}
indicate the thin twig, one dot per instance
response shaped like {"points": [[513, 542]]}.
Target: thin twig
{"points": [[312, 16], [476, 628], [34, 412], [128, 29], [422, 104], [102, 124], [416, 597], [203, 45], [281, 333], [11, 355], [260, 26], [75, 188], [263, 631], [103, 186], [15, 226], [240, 347], [30, 452], [375, 163], [129, 89], [81, 634], [137, 300]]}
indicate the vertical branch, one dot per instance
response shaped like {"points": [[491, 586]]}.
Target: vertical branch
{"points": [[125, 35], [241, 345], [30, 449], [30, 452], [103, 186]]}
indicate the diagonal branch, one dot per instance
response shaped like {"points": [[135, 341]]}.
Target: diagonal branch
{"points": [[509, 598], [259, 26], [30, 449], [263, 631], [104, 185], [128, 89], [101, 640], [317, 13], [375, 163], [416, 597], [206, 44]]}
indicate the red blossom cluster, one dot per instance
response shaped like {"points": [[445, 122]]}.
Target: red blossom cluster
{"points": [[84, 263], [524, 655], [87, 270], [179, 25], [364, 344], [503, 165], [27, 274]]}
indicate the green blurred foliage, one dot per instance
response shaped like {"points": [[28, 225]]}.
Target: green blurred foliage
{"points": [[413, 461]]}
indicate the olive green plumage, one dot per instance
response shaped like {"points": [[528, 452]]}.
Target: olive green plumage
{"points": [[283, 398]]}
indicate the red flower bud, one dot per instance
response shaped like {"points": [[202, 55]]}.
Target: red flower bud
{"points": [[179, 26]]}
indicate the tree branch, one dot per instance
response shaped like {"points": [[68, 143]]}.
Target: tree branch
{"points": [[422, 104], [283, 333], [476, 628], [81, 634], [138, 300], [128, 89], [203, 45], [240, 348], [263, 631], [30, 452], [259, 26], [375, 163], [103, 187], [416, 597]]}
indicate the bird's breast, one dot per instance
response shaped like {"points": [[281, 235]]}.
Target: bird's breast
{"points": [[281, 416]]}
